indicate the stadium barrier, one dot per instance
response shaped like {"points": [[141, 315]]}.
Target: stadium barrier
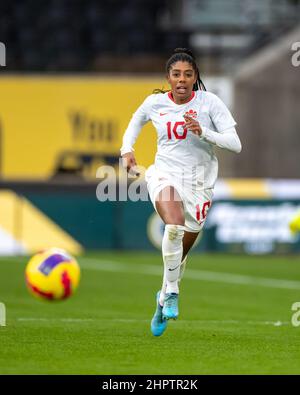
{"points": [[247, 216]]}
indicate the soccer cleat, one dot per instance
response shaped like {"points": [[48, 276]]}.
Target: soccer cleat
{"points": [[158, 323], [170, 309]]}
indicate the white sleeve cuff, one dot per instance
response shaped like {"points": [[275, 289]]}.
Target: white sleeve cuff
{"points": [[203, 134], [125, 150], [207, 135]]}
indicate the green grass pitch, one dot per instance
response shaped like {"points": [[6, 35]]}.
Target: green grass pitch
{"points": [[235, 318]]}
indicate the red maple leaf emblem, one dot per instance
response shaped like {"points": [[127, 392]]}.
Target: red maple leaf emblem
{"points": [[191, 113]]}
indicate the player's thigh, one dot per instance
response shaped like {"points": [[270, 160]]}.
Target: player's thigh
{"points": [[169, 206]]}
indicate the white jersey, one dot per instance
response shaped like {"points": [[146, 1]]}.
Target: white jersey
{"points": [[180, 152]]}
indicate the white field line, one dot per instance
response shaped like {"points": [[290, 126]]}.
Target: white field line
{"points": [[191, 274], [130, 321], [71, 320]]}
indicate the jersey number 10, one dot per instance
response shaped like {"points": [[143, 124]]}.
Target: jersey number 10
{"points": [[177, 135], [201, 212]]}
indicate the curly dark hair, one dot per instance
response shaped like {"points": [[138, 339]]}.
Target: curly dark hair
{"points": [[183, 55]]}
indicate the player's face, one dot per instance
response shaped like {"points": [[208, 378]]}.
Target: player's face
{"points": [[181, 78]]}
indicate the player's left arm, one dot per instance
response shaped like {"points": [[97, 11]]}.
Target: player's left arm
{"points": [[226, 139], [226, 136]]}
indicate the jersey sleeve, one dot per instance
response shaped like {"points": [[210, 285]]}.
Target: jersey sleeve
{"points": [[227, 139], [138, 120], [226, 136], [220, 115]]}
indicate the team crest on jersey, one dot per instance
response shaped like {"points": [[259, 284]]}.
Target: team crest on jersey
{"points": [[191, 113]]}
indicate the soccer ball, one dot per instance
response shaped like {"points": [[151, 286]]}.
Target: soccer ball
{"points": [[52, 274]]}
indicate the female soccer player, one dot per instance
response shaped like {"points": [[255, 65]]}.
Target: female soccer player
{"points": [[190, 122]]}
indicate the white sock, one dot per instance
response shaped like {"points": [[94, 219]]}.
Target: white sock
{"points": [[172, 253], [182, 269], [163, 289], [164, 284]]}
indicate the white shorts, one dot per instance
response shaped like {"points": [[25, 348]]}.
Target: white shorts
{"points": [[195, 203]]}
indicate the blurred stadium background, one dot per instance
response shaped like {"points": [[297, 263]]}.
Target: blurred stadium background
{"points": [[72, 73]]}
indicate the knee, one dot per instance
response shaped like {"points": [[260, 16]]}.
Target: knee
{"points": [[175, 219], [174, 231]]}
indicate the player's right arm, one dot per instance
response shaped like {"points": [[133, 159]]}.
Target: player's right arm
{"points": [[138, 120]]}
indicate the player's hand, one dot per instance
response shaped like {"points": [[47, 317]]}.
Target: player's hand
{"points": [[192, 125], [129, 163]]}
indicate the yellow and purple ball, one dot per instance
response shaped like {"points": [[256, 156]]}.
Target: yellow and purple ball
{"points": [[52, 274]]}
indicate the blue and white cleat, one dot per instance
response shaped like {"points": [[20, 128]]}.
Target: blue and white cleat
{"points": [[158, 322], [170, 309]]}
